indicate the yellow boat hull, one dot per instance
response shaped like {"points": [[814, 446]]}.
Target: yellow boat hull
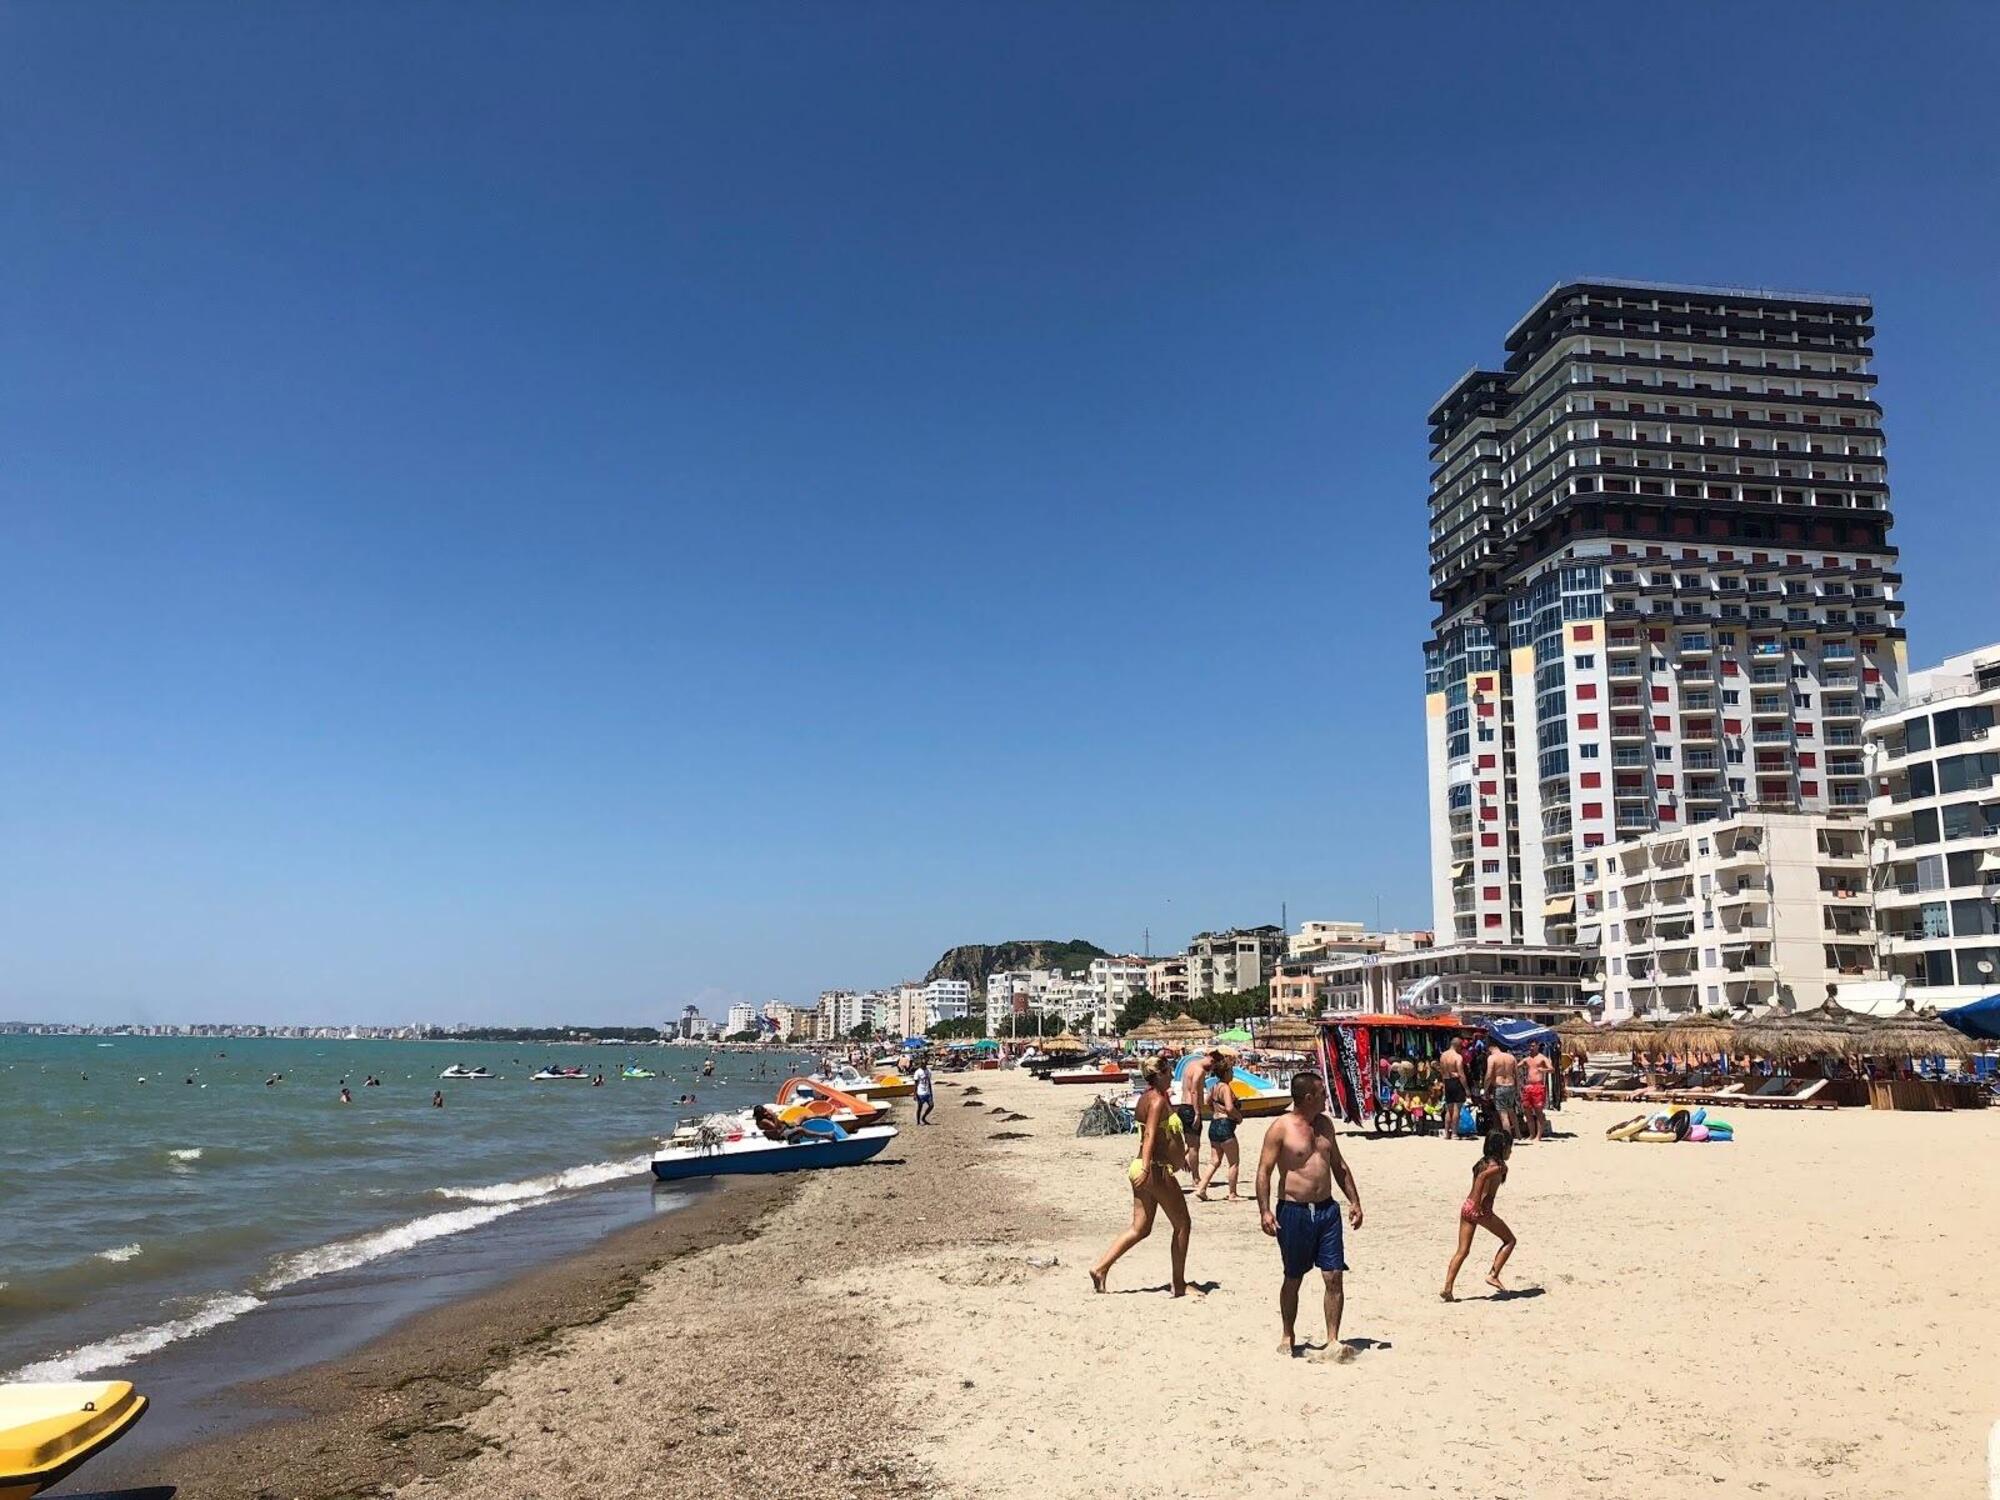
{"points": [[49, 1429]]}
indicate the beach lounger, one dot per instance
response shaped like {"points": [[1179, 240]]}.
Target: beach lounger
{"points": [[1795, 1093]]}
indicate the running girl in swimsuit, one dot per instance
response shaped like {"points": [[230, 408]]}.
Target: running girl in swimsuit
{"points": [[1476, 1212], [1151, 1174]]}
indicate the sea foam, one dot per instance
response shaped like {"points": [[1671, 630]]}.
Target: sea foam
{"points": [[118, 1253], [125, 1347], [345, 1255], [530, 1188]]}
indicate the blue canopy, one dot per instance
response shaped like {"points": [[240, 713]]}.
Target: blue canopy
{"points": [[1979, 1020], [1515, 1035], [910, 1043]]}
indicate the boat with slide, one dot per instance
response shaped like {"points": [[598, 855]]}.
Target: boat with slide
{"points": [[1098, 1073], [709, 1150], [802, 1099], [1256, 1094], [554, 1075], [48, 1429], [460, 1071], [632, 1070], [883, 1085]]}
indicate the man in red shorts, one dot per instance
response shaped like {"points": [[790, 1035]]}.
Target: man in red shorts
{"points": [[1535, 1090]]}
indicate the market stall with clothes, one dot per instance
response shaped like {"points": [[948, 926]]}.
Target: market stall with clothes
{"points": [[1384, 1068]]}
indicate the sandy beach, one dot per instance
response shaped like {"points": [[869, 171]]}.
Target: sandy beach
{"points": [[1798, 1314]]}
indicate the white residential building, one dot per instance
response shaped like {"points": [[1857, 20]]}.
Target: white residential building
{"points": [[1018, 992], [1935, 816], [788, 1020], [1759, 908], [947, 1000], [1474, 979], [1227, 963], [1664, 584], [742, 1017]]}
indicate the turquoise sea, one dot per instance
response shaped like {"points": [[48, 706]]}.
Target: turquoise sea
{"points": [[154, 1189]]}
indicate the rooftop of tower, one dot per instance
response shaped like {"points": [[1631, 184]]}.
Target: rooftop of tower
{"points": [[1681, 289]]}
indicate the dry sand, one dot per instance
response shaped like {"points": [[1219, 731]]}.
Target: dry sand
{"points": [[1806, 1312]]}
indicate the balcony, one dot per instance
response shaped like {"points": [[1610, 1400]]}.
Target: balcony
{"points": [[1619, 642], [1771, 737], [1771, 708], [1628, 729]]}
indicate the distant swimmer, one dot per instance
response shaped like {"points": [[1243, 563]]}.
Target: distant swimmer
{"points": [[188, 1079], [437, 1099], [272, 1081], [346, 1097], [597, 1082]]}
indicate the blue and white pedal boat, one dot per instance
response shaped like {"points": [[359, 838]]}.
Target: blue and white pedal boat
{"points": [[685, 1158]]}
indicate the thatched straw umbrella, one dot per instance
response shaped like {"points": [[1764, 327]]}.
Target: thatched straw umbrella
{"points": [[1287, 1034], [1898, 1038], [1062, 1044], [1151, 1030], [1579, 1035], [1910, 1036], [1185, 1031]]}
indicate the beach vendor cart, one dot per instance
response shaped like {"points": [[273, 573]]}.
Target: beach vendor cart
{"points": [[1362, 1058]]}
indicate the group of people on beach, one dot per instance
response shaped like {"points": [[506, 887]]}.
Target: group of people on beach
{"points": [[1302, 1157]]}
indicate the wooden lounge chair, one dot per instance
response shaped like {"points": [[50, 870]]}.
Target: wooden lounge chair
{"points": [[1796, 1093]]}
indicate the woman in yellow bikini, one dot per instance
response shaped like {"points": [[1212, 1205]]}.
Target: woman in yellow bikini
{"points": [[1162, 1148]]}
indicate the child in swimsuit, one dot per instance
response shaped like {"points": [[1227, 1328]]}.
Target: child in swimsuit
{"points": [[1476, 1212]]}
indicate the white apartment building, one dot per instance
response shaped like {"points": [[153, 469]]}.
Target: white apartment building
{"points": [[1664, 584], [742, 1017], [947, 1000], [840, 1011], [1167, 980], [1935, 828], [1535, 981], [1227, 963], [1019, 992], [1759, 908]]}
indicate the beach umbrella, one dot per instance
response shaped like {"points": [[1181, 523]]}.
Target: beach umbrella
{"points": [[1979, 1019], [1062, 1043], [1185, 1031], [1235, 1034], [1288, 1034]]}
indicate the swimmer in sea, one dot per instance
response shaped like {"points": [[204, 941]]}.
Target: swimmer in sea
{"points": [[437, 1099], [345, 1096]]}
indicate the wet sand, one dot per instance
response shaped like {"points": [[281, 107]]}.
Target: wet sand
{"points": [[389, 1412]]}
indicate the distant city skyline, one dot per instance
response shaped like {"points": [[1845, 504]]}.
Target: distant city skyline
{"points": [[510, 522]]}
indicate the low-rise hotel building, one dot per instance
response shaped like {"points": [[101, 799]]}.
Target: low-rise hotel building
{"points": [[1756, 909], [1534, 981]]}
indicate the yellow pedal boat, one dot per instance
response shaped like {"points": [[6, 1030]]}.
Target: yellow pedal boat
{"points": [[49, 1429]]}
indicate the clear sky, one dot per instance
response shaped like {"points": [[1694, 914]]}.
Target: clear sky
{"points": [[539, 512]]}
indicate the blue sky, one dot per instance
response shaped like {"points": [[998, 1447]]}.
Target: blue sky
{"points": [[523, 512]]}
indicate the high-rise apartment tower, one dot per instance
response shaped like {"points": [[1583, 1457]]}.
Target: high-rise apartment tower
{"points": [[1665, 589]]}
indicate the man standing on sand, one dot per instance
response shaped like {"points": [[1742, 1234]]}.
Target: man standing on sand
{"points": [[1503, 1071], [1194, 1105], [1301, 1147], [1451, 1067], [1535, 1090], [926, 1100]]}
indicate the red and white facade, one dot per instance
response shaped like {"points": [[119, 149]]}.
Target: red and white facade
{"points": [[1666, 593]]}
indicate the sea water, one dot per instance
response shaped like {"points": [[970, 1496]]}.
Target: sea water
{"points": [[153, 1189]]}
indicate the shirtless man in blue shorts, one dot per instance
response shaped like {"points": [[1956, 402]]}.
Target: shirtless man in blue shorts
{"points": [[1306, 1223]]}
